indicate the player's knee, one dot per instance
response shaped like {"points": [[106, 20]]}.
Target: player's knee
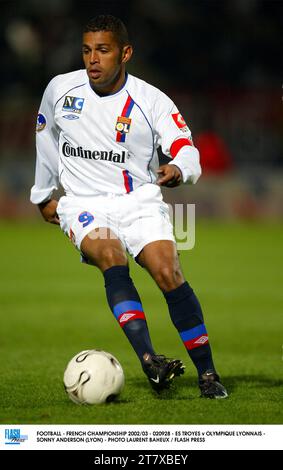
{"points": [[112, 256], [168, 277]]}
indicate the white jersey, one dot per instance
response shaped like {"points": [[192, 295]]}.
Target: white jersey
{"points": [[95, 145]]}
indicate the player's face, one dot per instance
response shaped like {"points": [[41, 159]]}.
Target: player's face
{"points": [[104, 60]]}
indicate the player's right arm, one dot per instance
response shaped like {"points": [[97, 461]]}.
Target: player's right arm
{"points": [[47, 157], [48, 211]]}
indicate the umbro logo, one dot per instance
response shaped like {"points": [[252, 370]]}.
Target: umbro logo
{"points": [[201, 340], [126, 316]]}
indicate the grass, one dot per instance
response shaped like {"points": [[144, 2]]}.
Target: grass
{"points": [[53, 307]]}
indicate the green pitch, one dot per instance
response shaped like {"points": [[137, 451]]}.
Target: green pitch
{"points": [[53, 307]]}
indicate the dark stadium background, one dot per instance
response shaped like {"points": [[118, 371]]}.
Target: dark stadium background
{"points": [[221, 62]]}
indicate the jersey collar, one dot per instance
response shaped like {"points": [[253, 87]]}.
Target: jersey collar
{"points": [[111, 95]]}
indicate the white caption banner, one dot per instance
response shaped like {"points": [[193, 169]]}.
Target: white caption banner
{"points": [[136, 437]]}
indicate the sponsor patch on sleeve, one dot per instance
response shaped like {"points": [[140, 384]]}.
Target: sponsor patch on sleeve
{"points": [[180, 122], [40, 123]]}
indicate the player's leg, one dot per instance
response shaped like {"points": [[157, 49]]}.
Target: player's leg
{"points": [[160, 258], [103, 249]]}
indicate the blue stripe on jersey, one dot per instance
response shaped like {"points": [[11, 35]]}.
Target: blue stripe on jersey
{"points": [[128, 181], [126, 113], [126, 306], [193, 332], [129, 109]]}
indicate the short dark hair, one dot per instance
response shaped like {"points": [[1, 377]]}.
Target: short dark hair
{"points": [[109, 23]]}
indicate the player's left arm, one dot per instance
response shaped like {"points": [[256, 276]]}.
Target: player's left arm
{"points": [[169, 175], [175, 138]]}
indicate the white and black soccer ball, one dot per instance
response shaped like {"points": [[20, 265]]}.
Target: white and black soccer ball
{"points": [[93, 377]]}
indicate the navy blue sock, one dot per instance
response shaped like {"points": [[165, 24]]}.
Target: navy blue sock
{"points": [[126, 306], [186, 315]]}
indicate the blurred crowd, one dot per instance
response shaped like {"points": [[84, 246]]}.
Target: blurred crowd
{"points": [[220, 60], [195, 44]]}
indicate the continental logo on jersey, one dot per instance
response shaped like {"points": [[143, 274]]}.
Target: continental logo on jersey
{"points": [[69, 151], [180, 122], [123, 124], [73, 104]]}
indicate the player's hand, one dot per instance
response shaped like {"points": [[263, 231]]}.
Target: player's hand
{"points": [[48, 211], [169, 176]]}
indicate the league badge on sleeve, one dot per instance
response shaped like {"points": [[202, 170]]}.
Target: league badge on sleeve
{"points": [[40, 123], [180, 122]]}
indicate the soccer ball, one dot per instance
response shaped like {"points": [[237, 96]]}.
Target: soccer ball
{"points": [[93, 377]]}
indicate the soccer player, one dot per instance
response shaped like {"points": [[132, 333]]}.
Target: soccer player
{"points": [[98, 130]]}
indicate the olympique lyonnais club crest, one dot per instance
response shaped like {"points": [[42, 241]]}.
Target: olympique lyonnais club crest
{"points": [[123, 124], [73, 104], [180, 121]]}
